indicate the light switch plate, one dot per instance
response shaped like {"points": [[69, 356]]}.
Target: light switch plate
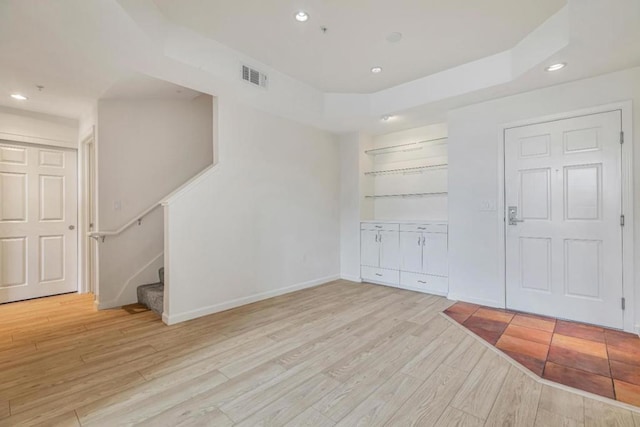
{"points": [[487, 205]]}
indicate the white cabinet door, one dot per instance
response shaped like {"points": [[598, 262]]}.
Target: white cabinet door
{"points": [[435, 254], [389, 249], [564, 252], [369, 248], [411, 250]]}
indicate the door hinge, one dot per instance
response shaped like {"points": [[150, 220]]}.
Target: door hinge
{"points": [[624, 303], [621, 220], [621, 137]]}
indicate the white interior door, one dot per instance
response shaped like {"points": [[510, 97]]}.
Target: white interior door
{"points": [[565, 258], [411, 250], [38, 218]]}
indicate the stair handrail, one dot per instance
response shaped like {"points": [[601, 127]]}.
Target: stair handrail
{"points": [[136, 219]]}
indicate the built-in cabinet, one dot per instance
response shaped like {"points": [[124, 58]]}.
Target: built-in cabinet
{"points": [[406, 255], [403, 209]]}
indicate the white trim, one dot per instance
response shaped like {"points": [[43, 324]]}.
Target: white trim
{"points": [[14, 137], [83, 250], [351, 278], [538, 379], [189, 185], [626, 109], [166, 297], [628, 200], [105, 305], [486, 302], [422, 291], [373, 282], [172, 319]]}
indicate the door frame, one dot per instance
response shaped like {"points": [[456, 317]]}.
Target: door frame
{"points": [[86, 274], [628, 247]]}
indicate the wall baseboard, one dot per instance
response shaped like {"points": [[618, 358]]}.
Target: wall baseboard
{"points": [[479, 301], [106, 305], [172, 319], [351, 278]]}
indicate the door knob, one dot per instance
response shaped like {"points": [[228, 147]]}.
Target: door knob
{"points": [[72, 227], [513, 216]]}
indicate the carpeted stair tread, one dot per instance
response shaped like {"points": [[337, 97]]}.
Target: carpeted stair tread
{"points": [[152, 295]]}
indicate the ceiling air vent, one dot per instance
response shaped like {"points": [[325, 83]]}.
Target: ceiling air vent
{"points": [[254, 76]]}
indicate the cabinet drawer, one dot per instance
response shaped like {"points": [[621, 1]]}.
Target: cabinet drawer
{"points": [[424, 282], [373, 274], [427, 228], [379, 226]]}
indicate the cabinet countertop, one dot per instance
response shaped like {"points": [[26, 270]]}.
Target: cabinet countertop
{"points": [[403, 221]]}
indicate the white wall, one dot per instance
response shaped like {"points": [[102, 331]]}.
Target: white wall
{"points": [[146, 149], [264, 221], [36, 128], [353, 205], [475, 134]]}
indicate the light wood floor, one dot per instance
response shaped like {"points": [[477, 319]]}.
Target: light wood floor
{"points": [[340, 354]]}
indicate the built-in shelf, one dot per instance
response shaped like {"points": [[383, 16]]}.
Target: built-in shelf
{"points": [[407, 170], [435, 193], [404, 147]]}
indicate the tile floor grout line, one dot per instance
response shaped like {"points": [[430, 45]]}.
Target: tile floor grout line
{"points": [[613, 383]]}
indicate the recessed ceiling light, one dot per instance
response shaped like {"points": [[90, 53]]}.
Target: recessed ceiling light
{"points": [[18, 97], [556, 67], [376, 70], [387, 117], [302, 16]]}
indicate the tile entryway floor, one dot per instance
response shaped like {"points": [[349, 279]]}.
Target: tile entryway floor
{"points": [[598, 360]]}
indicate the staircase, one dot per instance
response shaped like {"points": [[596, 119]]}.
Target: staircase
{"points": [[152, 295]]}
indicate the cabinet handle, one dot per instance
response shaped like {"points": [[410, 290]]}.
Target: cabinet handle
{"points": [[419, 240], [378, 274], [380, 238], [422, 281], [378, 226], [421, 228]]}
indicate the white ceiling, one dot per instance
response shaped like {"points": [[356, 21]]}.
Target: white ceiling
{"points": [[82, 51], [56, 45], [437, 35], [31, 53], [139, 86]]}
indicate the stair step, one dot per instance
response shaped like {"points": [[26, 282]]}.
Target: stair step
{"points": [[152, 296]]}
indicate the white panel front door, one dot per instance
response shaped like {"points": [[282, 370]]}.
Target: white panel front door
{"points": [[38, 219], [565, 258]]}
